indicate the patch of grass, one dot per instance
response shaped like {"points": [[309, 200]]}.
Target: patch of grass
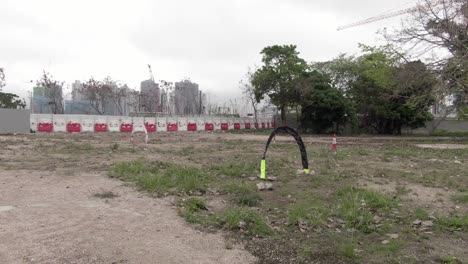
{"points": [[348, 249], [105, 195], [314, 215], [115, 146], [187, 151], [159, 177], [190, 207], [420, 214], [449, 260], [244, 195], [454, 222], [358, 206], [461, 198], [236, 169], [248, 221]]}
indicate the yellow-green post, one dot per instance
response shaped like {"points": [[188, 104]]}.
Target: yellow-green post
{"points": [[306, 171], [263, 169]]}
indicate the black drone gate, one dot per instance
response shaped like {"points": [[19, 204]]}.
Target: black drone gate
{"points": [[292, 132]]}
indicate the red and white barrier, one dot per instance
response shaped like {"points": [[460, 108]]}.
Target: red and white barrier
{"points": [[125, 124]]}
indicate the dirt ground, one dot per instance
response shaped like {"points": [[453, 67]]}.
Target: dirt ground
{"points": [[49, 212], [48, 215]]}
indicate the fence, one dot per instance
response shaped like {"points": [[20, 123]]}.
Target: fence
{"points": [[96, 123], [14, 121]]}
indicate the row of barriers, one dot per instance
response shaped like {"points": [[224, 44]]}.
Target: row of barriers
{"points": [[92, 123]]}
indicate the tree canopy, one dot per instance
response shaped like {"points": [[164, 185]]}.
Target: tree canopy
{"points": [[281, 69]]}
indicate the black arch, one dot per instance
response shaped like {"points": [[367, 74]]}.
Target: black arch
{"points": [[292, 132]]}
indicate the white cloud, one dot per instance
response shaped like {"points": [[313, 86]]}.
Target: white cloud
{"points": [[212, 42]]}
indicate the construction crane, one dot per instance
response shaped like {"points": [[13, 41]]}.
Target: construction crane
{"points": [[151, 73], [389, 15]]}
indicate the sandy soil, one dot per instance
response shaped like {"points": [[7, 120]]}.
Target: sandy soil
{"points": [[46, 217]]}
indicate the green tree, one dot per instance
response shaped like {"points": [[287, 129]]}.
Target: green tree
{"points": [[11, 101], [440, 27], [390, 96], [322, 106], [282, 67]]}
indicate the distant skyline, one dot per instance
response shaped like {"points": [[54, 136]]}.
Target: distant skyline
{"points": [[211, 42]]}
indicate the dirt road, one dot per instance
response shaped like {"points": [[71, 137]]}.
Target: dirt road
{"points": [[48, 217]]}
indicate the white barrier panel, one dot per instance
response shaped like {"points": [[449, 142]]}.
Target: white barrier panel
{"points": [[161, 124], [33, 122], [87, 123], [138, 124], [113, 123], [182, 123], [200, 124], [60, 123], [217, 123]]}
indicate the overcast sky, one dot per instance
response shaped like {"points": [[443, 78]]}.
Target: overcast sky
{"points": [[212, 42]]}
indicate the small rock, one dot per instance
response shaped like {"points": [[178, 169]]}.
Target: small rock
{"points": [[417, 222], [228, 245], [428, 233], [376, 219], [385, 242], [252, 178], [393, 236], [427, 223], [242, 224], [457, 162], [264, 186]]}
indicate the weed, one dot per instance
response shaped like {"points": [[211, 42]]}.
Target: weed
{"points": [[115, 146], [187, 151], [236, 169], [420, 214], [358, 206], [348, 249], [190, 207], [454, 222], [105, 195], [449, 260], [161, 177], [238, 218], [243, 194], [461, 198], [314, 215]]}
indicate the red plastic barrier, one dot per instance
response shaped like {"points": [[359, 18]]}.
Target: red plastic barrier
{"points": [[268, 124], [100, 127], [209, 127], [172, 127], [150, 127], [73, 127], [126, 128], [45, 127], [224, 126], [236, 126], [263, 125], [256, 125], [192, 127], [273, 124], [247, 125]]}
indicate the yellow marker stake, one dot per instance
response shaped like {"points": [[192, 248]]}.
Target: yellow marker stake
{"points": [[263, 169]]}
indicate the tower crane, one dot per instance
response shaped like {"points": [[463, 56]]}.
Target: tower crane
{"points": [[391, 14]]}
